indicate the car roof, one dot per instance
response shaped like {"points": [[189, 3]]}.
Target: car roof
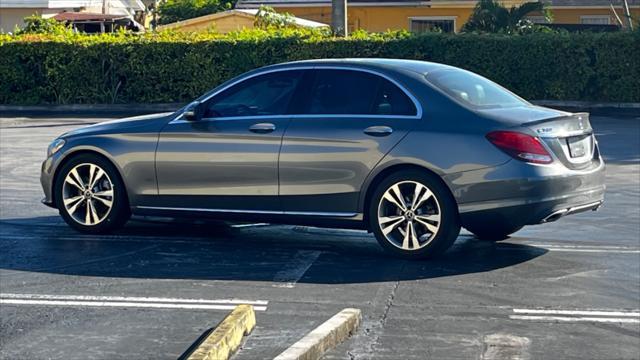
{"points": [[417, 66]]}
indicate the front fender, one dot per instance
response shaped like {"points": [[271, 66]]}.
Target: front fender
{"points": [[133, 155]]}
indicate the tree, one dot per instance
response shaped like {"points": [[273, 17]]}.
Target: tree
{"points": [[178, 10], [36, 24], [490, 16], [267, 17]]}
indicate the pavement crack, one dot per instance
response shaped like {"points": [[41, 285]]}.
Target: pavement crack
{"points": [[389, 304], [367, 342]]}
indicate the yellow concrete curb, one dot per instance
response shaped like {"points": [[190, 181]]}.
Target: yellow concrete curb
{"points": [[325, 337], [227, 336]]}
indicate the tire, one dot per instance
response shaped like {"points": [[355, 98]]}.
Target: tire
{"points": [[433, 224], [494, 232], [109, 206]]}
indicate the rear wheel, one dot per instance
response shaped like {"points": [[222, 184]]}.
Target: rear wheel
{"points": [[413, 215], [90, 195], [493, 232]]}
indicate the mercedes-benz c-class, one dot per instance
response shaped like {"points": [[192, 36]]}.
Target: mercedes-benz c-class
{"points": [[409, 150]]}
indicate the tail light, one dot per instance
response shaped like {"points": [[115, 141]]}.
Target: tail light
{"points": [[520, 146]]}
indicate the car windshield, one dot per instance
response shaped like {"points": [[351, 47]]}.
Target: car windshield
{"points": [[473, 90]]}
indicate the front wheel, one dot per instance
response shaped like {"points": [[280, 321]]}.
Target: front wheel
{"points": [[90, 195], [413, 215]]}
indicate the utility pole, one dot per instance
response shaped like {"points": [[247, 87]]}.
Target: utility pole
{"points": [[155, 14], [339, 17]]}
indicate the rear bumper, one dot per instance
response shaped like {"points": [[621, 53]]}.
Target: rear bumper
{"points": [[518, 194], [528, 214]]}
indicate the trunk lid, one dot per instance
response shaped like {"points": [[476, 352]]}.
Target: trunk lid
{"points": [[568, 136], [522, 114]]}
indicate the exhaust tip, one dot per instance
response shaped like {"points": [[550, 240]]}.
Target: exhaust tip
{"points": [[555, 216]]}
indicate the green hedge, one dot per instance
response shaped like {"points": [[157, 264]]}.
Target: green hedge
{"points": [[120, 68]]}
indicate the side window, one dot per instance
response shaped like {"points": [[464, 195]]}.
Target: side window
{"points": [[392, 101], [343, 92], [267, 94], [356, 93]]}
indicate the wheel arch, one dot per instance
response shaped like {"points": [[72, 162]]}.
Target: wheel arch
{"points": [[382, 174], [78, 152]]}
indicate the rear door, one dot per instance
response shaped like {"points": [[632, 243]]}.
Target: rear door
{"points": [[343, 123]]}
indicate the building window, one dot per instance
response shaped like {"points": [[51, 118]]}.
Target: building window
{"points": [[537, 19], [432, 23], [595, 19]]}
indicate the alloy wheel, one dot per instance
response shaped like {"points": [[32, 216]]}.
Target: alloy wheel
{"points": [[87, 194], [409, 215]]}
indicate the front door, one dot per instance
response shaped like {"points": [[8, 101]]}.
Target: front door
{"points": [[229, 159]]}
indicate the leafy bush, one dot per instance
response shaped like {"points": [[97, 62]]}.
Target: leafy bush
{"points": [[177, 67], [178, 10]]}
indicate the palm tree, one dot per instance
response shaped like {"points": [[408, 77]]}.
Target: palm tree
{"points": [[491, 16]]}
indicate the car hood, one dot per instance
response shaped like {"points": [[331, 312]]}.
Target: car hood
{"points": [[115, 126], [522, 114]]}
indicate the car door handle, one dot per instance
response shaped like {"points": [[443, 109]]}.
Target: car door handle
{"points": [[262, 128], [378, 131]]}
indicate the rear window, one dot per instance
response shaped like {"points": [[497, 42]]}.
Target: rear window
{"points": [[342, 92], [473, 90]]}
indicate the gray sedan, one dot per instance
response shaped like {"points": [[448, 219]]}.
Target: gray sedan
{"points": [[408, 150]]}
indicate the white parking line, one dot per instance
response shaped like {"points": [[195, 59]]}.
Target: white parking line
{"points": [[122, 301], [596, 247], [249, 225], [575, 319], [594, 250], [633, 313], [579, 248], [295, 269], [128, 298], [603, 316]]}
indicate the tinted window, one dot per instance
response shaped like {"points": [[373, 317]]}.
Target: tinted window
{"points": [[390, 100], [473, 90], [267, 94], [356, 92]]}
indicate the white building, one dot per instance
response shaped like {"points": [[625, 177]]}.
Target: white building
{"points": [[12, 12]]}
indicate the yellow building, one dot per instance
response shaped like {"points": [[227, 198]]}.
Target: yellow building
{"points": [[227, 21], [448, 15]]}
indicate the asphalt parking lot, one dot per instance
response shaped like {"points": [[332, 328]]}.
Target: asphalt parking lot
{"points": [[569, 289]]}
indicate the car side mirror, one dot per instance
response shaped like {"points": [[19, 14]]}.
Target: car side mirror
{"points": [[193, 111]]}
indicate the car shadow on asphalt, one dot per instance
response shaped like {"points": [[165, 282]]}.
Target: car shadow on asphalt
{"points": [[219, 251]]}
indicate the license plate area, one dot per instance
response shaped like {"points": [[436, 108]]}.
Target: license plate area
{"points": [[578, 145]]}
